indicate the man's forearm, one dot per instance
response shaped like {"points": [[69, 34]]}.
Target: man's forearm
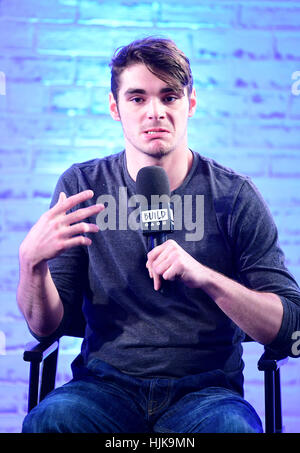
{"points": [[259, 314], [38, 298]]}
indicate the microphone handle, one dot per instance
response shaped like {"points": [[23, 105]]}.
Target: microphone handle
{"points": [[157, 239]]}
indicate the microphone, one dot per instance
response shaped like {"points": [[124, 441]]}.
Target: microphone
{"points": [[156, 214]]}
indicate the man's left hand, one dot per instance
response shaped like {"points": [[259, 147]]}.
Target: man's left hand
{"points": [[172, 262]]}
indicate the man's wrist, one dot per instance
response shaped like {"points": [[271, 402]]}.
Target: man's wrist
{"points": [[210, 281], [31, 265]]}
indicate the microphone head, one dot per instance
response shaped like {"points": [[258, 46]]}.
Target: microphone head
{"points": [[157, 216], [152, 180]]}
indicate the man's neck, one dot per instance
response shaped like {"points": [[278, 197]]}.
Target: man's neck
{"points": [[176, 168]]}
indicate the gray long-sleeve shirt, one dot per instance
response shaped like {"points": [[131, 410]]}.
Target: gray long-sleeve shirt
{"points": [[222, 221]]}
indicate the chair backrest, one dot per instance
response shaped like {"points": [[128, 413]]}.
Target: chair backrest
{"points": [[76, 326], [248, 339]]}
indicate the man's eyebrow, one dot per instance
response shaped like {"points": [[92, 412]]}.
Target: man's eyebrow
{"points": [[141, 91], [135, 91]]}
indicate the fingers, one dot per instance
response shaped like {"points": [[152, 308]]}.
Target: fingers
{"points": [[159, 264], [72, 236], [160, 258], [62, 197], [156, 281], [76, 241], [69, 229], [156, 277], [83, 213], [55, 231], [172, 262], [81, 228], [73, 230], [64, 204]]}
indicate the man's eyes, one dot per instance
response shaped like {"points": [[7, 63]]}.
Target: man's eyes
{"points": [[169, 99], [137, 100], [166, 99]]}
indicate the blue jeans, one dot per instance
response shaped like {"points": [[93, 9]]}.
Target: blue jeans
{"points": [[104, 400]]}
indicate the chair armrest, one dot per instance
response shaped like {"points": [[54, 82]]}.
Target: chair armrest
{"points": [[37, 352], [269, 362], [45, 354]]}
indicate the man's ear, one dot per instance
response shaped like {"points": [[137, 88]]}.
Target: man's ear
{"points": [[193, 103], [113, 108]]}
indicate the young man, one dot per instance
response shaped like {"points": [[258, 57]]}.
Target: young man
{"points": [[153, 361]]}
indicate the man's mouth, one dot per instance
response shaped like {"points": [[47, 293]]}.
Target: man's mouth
{"points": [[156, 131]]}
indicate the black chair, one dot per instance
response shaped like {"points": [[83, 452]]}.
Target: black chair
{"points": [[43, 362]]}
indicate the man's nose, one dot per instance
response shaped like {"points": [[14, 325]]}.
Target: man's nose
{"points": [[155, 109]]}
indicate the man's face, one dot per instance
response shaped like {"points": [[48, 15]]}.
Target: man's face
{"points": [[153, 115]]}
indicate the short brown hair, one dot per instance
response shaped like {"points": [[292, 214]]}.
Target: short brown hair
{"points": [[161, 56]]}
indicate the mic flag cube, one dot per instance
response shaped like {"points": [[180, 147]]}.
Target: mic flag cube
{"points": [[158, 218]]}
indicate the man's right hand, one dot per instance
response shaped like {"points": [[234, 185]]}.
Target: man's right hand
{"points": [[57, 231]]}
